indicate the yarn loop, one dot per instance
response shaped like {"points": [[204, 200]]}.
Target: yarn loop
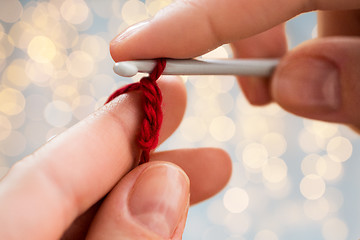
{"points": [[149, 133]]}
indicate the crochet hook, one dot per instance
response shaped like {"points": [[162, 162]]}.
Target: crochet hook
{"points": [[244, 67]]}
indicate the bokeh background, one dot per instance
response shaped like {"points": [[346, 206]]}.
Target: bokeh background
{"points": [[293, 178]]}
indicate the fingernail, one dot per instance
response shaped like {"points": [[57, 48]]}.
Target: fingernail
{"points": [[159, 198], [308, 83], [128, 32]]}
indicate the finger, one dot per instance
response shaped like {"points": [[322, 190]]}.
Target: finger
{"points": [[190, 28], [74, 170], [337, 23], [320, 80], [172, 118], [151, 202], [268, 44], [209, 169]]}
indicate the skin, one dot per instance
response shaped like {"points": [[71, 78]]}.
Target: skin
{"points": [[65, 179], [92, 197]]}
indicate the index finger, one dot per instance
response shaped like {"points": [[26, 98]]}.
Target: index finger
{"points": [[44, 193], [189, 28]]}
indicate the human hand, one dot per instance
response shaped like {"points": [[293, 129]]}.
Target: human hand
{"points": [[79, 186], [319, 79]]}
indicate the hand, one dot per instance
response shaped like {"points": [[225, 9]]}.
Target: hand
{"points": [[78, 184], [319, 79]]}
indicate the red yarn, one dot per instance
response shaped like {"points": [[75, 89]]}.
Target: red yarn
{"points": [[150, 127]]}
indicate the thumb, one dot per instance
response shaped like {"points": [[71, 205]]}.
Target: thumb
{"points": [[151, 202], [320, 80]]}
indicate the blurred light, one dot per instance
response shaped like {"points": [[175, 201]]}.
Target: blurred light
{"points": [[334, 229], [35, 105], [266, 235], [206, 108], [102, 85], [216, 212], [215, 233], [42, 18], [58, 113], [254, 156], [316, 209], [193, 129], [225, 102], [74, 11], [134, 11], [18, 120], [275, 144], [198, 82], [54, 132], [314, 32], [308, 164], [15, 74], [82, 106], [273, 109], [219, 52], [12, 101], [274, 170], [22, 33], [328, 169], [6, 46], [310, 143], [101, 9], [221, 84], [236, 200], [35, 133], [14, 145], [3, 171], [339, 149], [321, 129], [279, 190], [58, 63], [65, 35], [153, 6], [254, 127], [80, 64], [237, 223], [41, 49], [116, 7], [65, 93], [238, 176], [10, 11], [39, 73], [5, 127], [335, 199], [235, 237], [205, 92], [222, 128], [2, 31], [95, 46], [312, 187]]}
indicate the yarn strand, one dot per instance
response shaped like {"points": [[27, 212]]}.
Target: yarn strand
{"points": [[149, 133]]}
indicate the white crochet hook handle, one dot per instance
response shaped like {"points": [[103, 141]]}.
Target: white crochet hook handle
{"points": [[241, 67]]}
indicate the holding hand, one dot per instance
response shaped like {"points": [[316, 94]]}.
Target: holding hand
{"points": [[319, 79], [79, 186]]}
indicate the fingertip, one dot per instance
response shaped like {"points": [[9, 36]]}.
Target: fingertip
{"points": [[256, 90], [120, 45], [268, 44], [319, 80], [209, 169], [151, 202], [210, 160]]}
